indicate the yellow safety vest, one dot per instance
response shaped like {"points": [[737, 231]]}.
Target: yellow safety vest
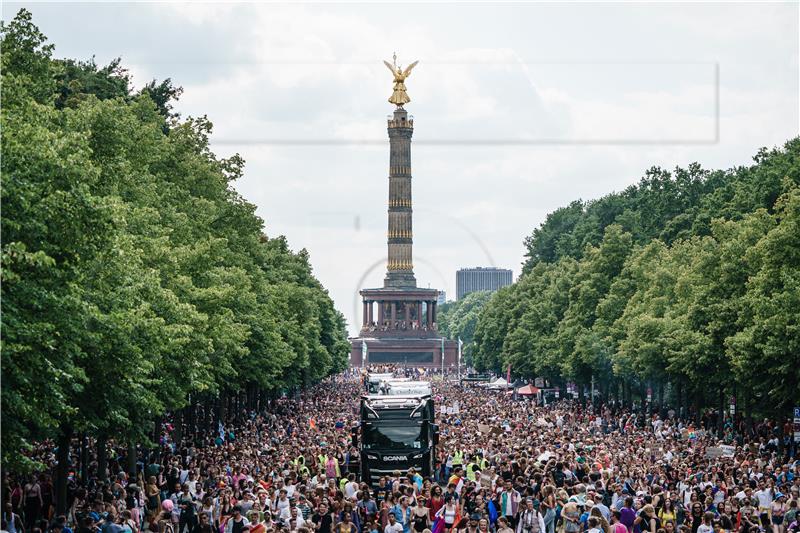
{"points": [[458, 458], [322, 460], [471, 471]]}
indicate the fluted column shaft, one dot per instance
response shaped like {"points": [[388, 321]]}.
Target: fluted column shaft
{"points": [[400, 267]]}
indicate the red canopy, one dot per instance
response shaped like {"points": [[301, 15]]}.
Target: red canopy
{"points": [[528, 390]]}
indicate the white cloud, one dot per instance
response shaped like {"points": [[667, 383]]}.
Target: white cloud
{"points": [[507, 71]]}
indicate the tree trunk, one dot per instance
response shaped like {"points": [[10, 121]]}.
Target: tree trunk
{"points": [[721, 414], [191, 420], [643, 396], [132, 460], [748, 414], [102, 457], [157, 432], [222, 412], [84, 458], [64, 441], [698, 405], [204, 405], [178, 432], [626, 394]]}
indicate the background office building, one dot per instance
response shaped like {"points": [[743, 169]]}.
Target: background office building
{"points": [[481, 279], [442, 299]]}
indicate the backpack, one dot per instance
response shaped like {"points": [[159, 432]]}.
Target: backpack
{"points": [[165, 526]]}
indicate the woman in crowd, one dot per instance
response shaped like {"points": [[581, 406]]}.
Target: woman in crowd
{"points": [[605, 469]]}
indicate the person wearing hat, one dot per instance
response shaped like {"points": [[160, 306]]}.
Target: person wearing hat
{"points": [[778, 510], [530, 519], [472, 525]]}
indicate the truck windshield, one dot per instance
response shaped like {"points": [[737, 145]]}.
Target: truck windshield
{"points": [[393, 437]]}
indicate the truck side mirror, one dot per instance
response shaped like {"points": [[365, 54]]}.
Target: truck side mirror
{"points": [[354, 437], [435, 429]]}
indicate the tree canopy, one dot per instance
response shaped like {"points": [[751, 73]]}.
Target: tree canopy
{"points": [[135, 279], [685, 284]]}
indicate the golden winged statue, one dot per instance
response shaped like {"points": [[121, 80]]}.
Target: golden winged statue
{"points": [[399, 95]]}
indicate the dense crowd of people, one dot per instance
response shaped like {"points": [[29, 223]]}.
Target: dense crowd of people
{"points": [[505, 465]]}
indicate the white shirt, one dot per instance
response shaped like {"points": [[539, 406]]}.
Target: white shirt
{"points": [[396, 528], [764, 497], [705, 529], [283, 507]]}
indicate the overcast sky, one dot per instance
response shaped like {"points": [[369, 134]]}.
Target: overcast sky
{"points": [[519, 108]]}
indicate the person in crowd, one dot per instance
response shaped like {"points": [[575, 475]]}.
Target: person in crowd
{"points": [[530, 519], [393, 526], [237, 523], [504, 465], [420, 516], [12, 523]]}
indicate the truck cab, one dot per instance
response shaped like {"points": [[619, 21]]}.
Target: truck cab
{"points": [[397, 432]]}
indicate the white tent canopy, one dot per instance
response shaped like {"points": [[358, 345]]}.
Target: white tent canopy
{"points": [[499, 383]]}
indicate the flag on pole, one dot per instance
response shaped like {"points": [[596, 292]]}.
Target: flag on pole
{"points": [[460, 344], [363, 353], [442, 358]]}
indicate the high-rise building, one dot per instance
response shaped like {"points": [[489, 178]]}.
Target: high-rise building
{"points": [[481, 279], [442, 299]]}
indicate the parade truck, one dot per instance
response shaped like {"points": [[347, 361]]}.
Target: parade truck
{"points": [[396, 433], [407, 388], [375, 381]]}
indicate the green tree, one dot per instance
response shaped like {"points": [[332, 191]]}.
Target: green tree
{"points": [[764, 351], [457, 320], [136, 281]]}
